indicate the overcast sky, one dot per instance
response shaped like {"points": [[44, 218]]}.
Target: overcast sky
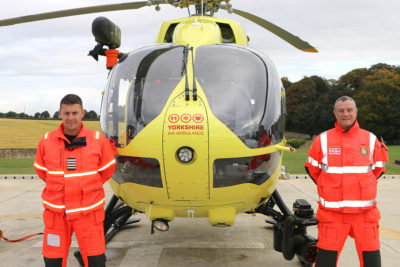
{"points": [[41, 62]]}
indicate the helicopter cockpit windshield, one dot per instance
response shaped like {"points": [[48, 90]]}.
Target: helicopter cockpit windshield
{"points": [[139, 87], [246, 95], [245, 92]]}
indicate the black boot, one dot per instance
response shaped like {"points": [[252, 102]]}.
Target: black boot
{"points": [[372, 258], [49, 262], [326, 258], [97, 261]]}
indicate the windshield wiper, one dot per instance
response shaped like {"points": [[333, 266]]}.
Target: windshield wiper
{"points": [[194, 79], [184, 71]]}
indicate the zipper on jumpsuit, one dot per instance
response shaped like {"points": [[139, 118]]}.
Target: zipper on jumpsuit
{"points": [[62, 168]]}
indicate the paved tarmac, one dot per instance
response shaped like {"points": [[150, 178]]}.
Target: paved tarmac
{"points": [[189, 242]]}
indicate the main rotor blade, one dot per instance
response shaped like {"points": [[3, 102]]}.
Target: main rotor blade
{"points": [[72, 12], [285, 35]]}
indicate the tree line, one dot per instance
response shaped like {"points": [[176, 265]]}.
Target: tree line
{"points": [[45, 115], [376, 91], [310, 102]]}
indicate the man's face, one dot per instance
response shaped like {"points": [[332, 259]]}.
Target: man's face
{"points": [[71, 116], [345, 113]]}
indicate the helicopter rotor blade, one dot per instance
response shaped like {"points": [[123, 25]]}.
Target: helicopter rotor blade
{"points": [[285, 35], [73, 12]]}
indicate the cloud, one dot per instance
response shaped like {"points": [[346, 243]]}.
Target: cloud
{"points": [[43, 61]]}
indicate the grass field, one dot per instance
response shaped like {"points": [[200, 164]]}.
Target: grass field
{"points": [[17, 133], [293, 163]]}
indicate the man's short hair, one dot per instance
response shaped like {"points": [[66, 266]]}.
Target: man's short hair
{"points": [[344, 98], [71, 99]]}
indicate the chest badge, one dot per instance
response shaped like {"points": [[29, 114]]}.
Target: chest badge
{"points": [[364, 151], [334, 151], [71, 164]]}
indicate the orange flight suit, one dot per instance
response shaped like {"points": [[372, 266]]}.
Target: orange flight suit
{"points": [[73, 198], [345, 165]]}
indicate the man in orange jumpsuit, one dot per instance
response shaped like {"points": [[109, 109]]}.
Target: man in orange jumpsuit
{"points": [[74, 162], [345, 163]]}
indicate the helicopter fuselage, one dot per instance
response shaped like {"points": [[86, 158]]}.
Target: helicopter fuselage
{"points": [[198, 122]]}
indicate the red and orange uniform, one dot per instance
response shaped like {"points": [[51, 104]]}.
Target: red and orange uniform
{"points": [[345, 165], [74, 173]]}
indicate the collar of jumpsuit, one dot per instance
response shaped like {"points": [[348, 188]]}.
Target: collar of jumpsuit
{"points": [[352, 129]]}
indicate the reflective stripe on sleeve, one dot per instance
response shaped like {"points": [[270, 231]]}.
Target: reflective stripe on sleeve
{"points": [[324, 147], [346, 203], [378, 164], [97, 135], [46, 135], [372, 139], [346, 169], [86, 208], [79, 174], [53, 205], [107, 165], [39, 167], [314, 162]]}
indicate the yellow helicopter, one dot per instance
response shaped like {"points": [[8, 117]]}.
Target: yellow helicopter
{"points": [[198, 122]]}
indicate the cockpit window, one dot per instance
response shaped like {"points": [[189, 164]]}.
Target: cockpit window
{"points": [[243, 90], [138, 89]]}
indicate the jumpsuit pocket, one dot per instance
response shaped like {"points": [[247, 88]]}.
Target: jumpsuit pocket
{"points": [[330, 190], [328, 236], [92, 194], [368, 188], [48, 218], [99, 216], [372, 216]]}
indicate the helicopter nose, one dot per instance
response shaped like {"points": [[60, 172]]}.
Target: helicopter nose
{"points": [[185, 150]]}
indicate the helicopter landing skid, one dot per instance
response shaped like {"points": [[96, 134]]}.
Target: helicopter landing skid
{"points": [[117, 215], [290, 228]]}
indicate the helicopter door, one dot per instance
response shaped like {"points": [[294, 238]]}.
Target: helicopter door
{"points": [[185, 150]]}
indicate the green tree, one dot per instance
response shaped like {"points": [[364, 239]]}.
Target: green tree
{"points": [[378, 103], [91, 115], [11, 114], [37, 115], [352, 80], [45, 115], [56, 115], [309, 105], [23, 115], [285, 82]]}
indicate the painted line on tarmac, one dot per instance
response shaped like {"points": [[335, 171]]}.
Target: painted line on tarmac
{"points": [[18, 176], [389, 232], [291, 176], [172, 244], [21, 216]]}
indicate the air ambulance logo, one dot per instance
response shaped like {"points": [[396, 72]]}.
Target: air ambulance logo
{"points": [[173, 118], [186, 124], [185, 118], [364, 151], [198, 118]]}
